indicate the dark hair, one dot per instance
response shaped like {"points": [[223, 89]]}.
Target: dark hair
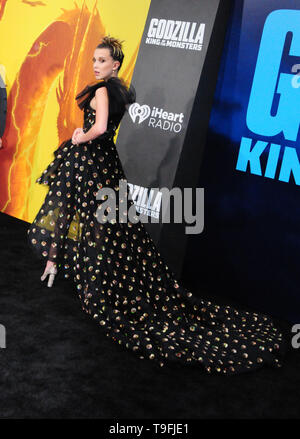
{"points": [[115, 47]]}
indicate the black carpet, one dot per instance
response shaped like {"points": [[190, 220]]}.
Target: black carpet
{"points": [[59, 364]]}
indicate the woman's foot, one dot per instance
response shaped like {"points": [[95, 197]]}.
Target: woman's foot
{"points": [[50, 270]]}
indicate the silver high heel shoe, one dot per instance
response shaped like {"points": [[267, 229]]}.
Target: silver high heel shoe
{"points": [[52, 271]]}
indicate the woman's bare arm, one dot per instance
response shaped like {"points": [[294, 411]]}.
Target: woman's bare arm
{"points": [[100, 125]]}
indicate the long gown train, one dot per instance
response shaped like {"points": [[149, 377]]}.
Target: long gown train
{"points": [[122, 281]]}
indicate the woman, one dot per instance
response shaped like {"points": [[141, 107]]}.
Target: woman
{"points": [[122, 281]]}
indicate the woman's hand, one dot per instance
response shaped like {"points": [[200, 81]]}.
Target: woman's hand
{"points": [[76, 136]]}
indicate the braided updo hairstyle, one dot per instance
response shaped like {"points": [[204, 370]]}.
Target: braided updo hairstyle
{"points": [[115, 47]]}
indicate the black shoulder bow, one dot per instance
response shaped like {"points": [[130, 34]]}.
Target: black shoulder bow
{"points": [[120, 95]]}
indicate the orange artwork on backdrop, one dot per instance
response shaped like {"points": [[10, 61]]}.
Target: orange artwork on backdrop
{"points": [[64, 49]]}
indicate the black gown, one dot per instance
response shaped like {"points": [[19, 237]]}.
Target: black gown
{"points": [[122, 281]]}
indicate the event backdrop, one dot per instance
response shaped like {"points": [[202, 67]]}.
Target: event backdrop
{"points": [[46, 52], [162, 138], [250, 171], [179, 48]]}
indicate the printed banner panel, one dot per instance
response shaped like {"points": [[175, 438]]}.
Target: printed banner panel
{"points": [[251, 168], [46, 59]]}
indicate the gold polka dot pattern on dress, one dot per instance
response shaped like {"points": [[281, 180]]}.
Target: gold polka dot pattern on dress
{"points": [[121, 279]]}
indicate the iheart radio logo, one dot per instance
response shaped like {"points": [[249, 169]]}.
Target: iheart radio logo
{"points": [[140, 111]]}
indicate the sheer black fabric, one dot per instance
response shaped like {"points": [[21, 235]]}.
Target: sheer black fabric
{"points": [[122, 281]]}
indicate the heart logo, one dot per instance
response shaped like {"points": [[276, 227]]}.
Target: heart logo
{"points": [[140, 111]]}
